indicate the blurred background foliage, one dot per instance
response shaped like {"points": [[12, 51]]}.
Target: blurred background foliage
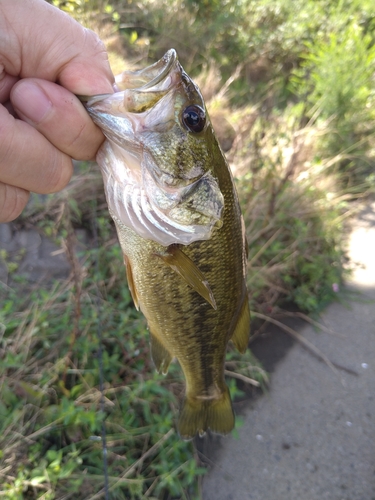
{"points": [[290, 89]]}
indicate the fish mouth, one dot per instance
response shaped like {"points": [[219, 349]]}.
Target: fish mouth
{"points": [[141, 80], [164, 206], [138, 91], [148, 77]]}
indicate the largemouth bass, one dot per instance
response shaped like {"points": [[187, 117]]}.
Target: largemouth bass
{"points": [[172, 198]]}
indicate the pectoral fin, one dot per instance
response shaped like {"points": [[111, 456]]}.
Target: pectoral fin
{"points": [[131, 285], [185, 267], [160, 355], [240, 337]]}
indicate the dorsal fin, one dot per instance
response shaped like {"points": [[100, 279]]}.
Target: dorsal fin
{"points": [[131, 285], [185, 267]]}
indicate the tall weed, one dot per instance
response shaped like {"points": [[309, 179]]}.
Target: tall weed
{"points": [[336, 80], [294, 214]]}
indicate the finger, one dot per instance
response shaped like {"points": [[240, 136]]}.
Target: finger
{"points": [[58, 115], [12, 201], [28, 160], [53, 46]]}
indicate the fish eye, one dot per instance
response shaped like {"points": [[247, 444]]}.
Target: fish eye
{"points": [[194, 118]]}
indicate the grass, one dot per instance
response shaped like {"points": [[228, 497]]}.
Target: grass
{"points": [[52, 443], [50, 404]]}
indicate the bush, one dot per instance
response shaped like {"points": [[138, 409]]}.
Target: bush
{"points": [[336, 78], [294, 214]]}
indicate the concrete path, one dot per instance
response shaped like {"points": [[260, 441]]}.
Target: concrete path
{"points": [[312, 436]]}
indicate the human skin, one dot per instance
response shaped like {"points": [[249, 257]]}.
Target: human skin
{"points": [[45, 59]]}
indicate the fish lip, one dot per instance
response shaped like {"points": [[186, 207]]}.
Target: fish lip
{"points": [[170, 58], [147, 80]]}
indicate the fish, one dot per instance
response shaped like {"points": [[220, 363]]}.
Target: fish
{"points": [[172, 197]]}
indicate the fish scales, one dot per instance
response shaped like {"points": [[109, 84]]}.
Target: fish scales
{"points": [[190, 281], [179, 316]]}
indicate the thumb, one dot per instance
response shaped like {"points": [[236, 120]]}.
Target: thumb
{"points": [[58, 115], [28, 160]]}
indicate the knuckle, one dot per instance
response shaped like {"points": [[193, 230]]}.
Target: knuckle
{"points": [[93, 40], [59, 172], [78, 137], [86, 142]]}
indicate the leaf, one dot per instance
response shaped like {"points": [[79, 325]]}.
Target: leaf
{"points": [[133, 37], [37, 480]]}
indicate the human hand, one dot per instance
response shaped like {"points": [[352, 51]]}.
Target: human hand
{"points": [[45, 58]]}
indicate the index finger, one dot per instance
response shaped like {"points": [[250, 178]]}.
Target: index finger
{"points": [[44, 42]]}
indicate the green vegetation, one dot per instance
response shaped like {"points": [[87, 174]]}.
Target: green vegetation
{"points": [[51, 407], [291, 83]]}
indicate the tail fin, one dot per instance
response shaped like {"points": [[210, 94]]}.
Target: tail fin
{"points": [[199, 415]]}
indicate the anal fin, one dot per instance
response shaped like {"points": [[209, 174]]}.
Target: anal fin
{"points": [[185, 267], [131, 285], [240, 336], [160, 355]]}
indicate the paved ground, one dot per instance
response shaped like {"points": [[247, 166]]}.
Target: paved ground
{"points": [[312, 437], [38, 257]]}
